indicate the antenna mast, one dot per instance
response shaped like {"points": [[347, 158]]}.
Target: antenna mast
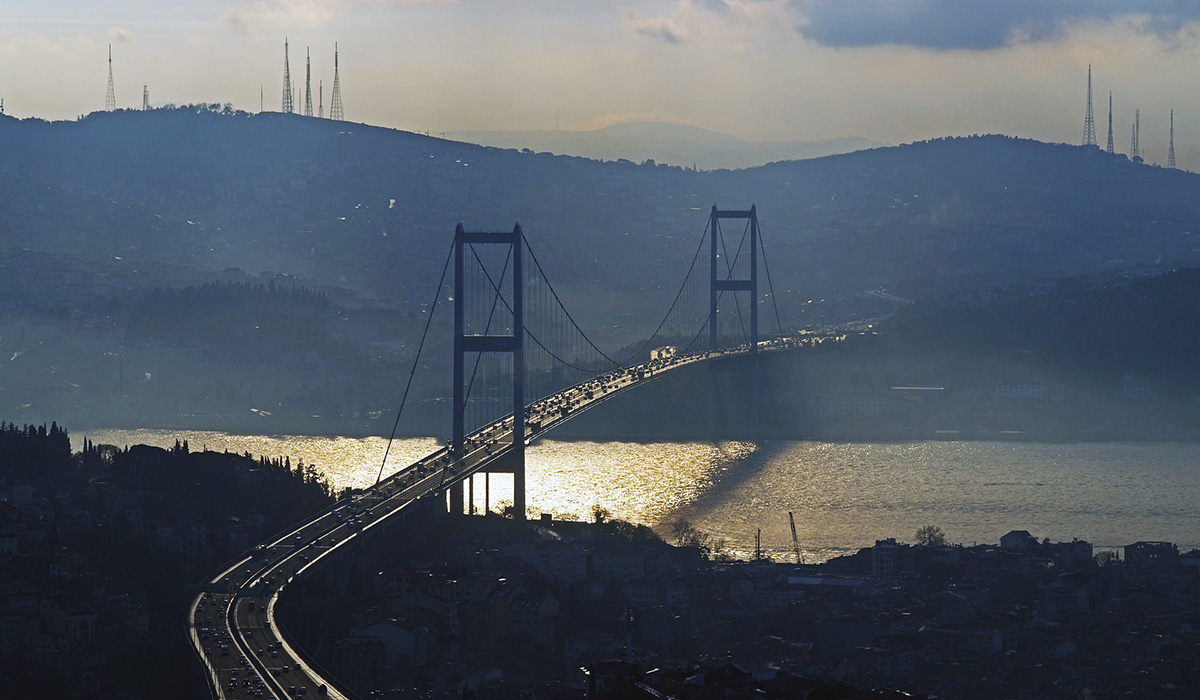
{"points": [[1089, 124], [335, 103], [110, 98], [287, 81], [1171, 151], [1135, 151], [320, 99], [145, 98], [1110, 134], [308, 82]]}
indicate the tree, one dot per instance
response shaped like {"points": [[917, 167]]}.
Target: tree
{"points": [[930, 536], [684, 534]]}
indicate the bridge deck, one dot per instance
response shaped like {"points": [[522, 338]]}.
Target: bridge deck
{"points": [[232, 624]]}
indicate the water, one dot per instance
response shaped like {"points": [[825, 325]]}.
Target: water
{"points": [[844, 495]]}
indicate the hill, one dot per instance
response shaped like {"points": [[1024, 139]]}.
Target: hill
{"points": [[675, 144], [96, 213]]}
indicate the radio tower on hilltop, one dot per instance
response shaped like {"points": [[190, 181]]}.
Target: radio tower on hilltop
{"points": [[320, 99], [308, 83], [110, 98], [1110, 139], [145, 98], [1171, 150], [335, 102], [1135, 153], [1089, 124], [287, 81]]}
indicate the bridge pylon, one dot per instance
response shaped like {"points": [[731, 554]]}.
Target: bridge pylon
{"points": [[727, 283], [504, 344], [718, 284]]}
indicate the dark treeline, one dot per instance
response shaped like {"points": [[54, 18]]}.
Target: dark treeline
{"points": [[228, 316], [117, 538], [1146, 325], [210, 487], [36, 455]]}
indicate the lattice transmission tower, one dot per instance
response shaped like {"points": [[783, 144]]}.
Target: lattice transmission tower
{"points": [[1089, 123], [287, 81], [145, 98], [320, 99], [1110, 134], [1171, 149], [308, 82], [335, 102], [110, 98]]}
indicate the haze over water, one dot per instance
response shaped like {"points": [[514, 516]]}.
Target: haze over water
{"points": [[844, 495]]}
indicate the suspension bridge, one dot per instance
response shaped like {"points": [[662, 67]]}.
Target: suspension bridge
{"points": [[522, 366]]}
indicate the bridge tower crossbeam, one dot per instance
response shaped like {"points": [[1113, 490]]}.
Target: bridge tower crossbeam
{"points": [[503, 344]]}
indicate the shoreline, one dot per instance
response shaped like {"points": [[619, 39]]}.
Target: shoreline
{"points": [[568, 435]]}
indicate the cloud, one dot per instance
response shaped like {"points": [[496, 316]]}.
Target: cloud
{"points": [[247, 16], [978, 24], [723, 7], [120, 35], [662, 29], [691, 19], [41, 44]]}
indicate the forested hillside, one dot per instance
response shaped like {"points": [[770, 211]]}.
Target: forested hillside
{"points": [[203, 267]]}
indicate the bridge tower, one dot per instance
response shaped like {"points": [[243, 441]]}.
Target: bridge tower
{"points": [[717, 285], [510, 344]]}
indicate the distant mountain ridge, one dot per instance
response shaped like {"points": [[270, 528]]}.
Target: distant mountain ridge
{"points": [[674, 144]]}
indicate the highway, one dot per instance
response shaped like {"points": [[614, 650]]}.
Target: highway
{"points": [[232, 622]]}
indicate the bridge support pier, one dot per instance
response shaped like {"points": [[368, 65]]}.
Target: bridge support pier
{"points": [[511, 344]]}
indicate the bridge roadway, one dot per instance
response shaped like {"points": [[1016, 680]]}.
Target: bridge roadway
{"points": [[232, 622]]}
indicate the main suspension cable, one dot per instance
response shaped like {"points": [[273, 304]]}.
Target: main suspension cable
{"points": [[550, 287], [678, 294], [774, 304], [416, 360], [529, 333]]}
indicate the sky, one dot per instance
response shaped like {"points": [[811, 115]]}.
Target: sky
{"points": [[892, 71]]}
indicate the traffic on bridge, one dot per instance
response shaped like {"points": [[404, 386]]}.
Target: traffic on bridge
{"points": [[237, 637], [232, 623]]}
